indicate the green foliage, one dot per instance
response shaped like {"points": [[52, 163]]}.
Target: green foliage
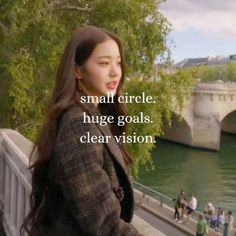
{"points": [[167, 90], [33, 34], [31, 47], [230, 72], [5, 101], [225, 72], [141, 27], [26, 109]]}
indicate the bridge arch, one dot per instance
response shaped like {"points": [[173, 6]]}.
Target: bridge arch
{"points": [[228, 123], [209, 109], [179, 131]]}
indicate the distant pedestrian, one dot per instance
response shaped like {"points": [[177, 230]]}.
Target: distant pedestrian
{"points": [[192, 205], [179, 205], [210, 212], [220, 219], [202, 228], [228, 225]]}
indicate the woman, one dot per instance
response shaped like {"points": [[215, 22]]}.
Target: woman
{"points": [[83, 188], [229, 224], [202, 228]]}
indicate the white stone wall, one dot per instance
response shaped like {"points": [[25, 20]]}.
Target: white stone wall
{"points": [[210, 108], [14, 181]]}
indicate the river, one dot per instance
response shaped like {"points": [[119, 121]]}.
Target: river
{"points": [[210, 176]]}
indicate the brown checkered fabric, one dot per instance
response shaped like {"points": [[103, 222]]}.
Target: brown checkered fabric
{"points": [[90, 192]]}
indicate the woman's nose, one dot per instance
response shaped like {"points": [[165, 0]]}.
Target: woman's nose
{"points": [[115, 70]]}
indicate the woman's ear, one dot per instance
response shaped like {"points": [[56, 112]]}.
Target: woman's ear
{"points": [[77, 72]]}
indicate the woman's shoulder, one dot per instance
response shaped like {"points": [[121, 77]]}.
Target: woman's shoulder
{"points": [[74, 119], [74, 113]]}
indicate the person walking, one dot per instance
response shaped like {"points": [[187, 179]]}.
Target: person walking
{"points": [[192, 206], [179, 205], [210, 213], [220, 219], [229, 224], [202, 228]]}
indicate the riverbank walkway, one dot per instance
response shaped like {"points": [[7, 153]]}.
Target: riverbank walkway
{"points": [[164, 212]]}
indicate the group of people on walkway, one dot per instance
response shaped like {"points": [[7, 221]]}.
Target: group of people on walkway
{"points": [[182, 206], [218, 220]]}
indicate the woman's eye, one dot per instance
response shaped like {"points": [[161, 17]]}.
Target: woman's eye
{"points": [[104, 63]]}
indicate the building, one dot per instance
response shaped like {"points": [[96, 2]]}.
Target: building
{"points": [[214, 61]]}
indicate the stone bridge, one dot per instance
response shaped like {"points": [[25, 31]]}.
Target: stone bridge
{"points": [[209, 109]]}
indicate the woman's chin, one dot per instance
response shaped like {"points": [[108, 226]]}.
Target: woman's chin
{"points": [[110, 93]]}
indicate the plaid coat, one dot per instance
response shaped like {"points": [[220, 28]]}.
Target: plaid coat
{"points": [[90, 192]]}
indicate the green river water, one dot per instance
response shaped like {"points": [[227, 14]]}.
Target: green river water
{"points": [[210, 176]]}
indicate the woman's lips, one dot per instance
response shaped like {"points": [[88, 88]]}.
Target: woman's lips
{"points": [[111, 85]]}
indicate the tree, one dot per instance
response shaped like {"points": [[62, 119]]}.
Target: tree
{"points": [[140, 25], [33, 34], [225, 72], [41, 24], [168, 90]]}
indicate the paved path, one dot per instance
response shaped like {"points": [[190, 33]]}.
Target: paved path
{"points": [[159, 224], [145, 228]]}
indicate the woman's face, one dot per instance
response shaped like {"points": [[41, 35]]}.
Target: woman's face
{"points": [[102, 72]]}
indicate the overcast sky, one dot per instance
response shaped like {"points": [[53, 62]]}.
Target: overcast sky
{"points": [[201, 28]]}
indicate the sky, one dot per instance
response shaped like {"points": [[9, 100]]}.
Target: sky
{"points": [[201, 28]]}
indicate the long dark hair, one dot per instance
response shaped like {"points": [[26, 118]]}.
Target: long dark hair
{"points": [[65, 95]]}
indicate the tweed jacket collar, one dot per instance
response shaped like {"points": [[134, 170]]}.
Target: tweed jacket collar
{"points": [[112, 145]]}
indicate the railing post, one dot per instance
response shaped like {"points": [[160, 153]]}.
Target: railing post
{"points": [[13, 198], [20, 205], [14, 181], [158, 195], [144, 195], [1, 214], [7, 190]]}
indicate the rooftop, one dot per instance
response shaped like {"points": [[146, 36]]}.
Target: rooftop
{"points": [[210, 60]]}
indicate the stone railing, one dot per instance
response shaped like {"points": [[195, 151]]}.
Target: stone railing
{"points": [[15, 184]]}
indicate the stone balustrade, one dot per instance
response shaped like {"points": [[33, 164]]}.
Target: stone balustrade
{"points": [[15, 181]]}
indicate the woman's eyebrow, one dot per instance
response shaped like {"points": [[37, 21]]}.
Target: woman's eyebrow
{"points": [[107, 57]]}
